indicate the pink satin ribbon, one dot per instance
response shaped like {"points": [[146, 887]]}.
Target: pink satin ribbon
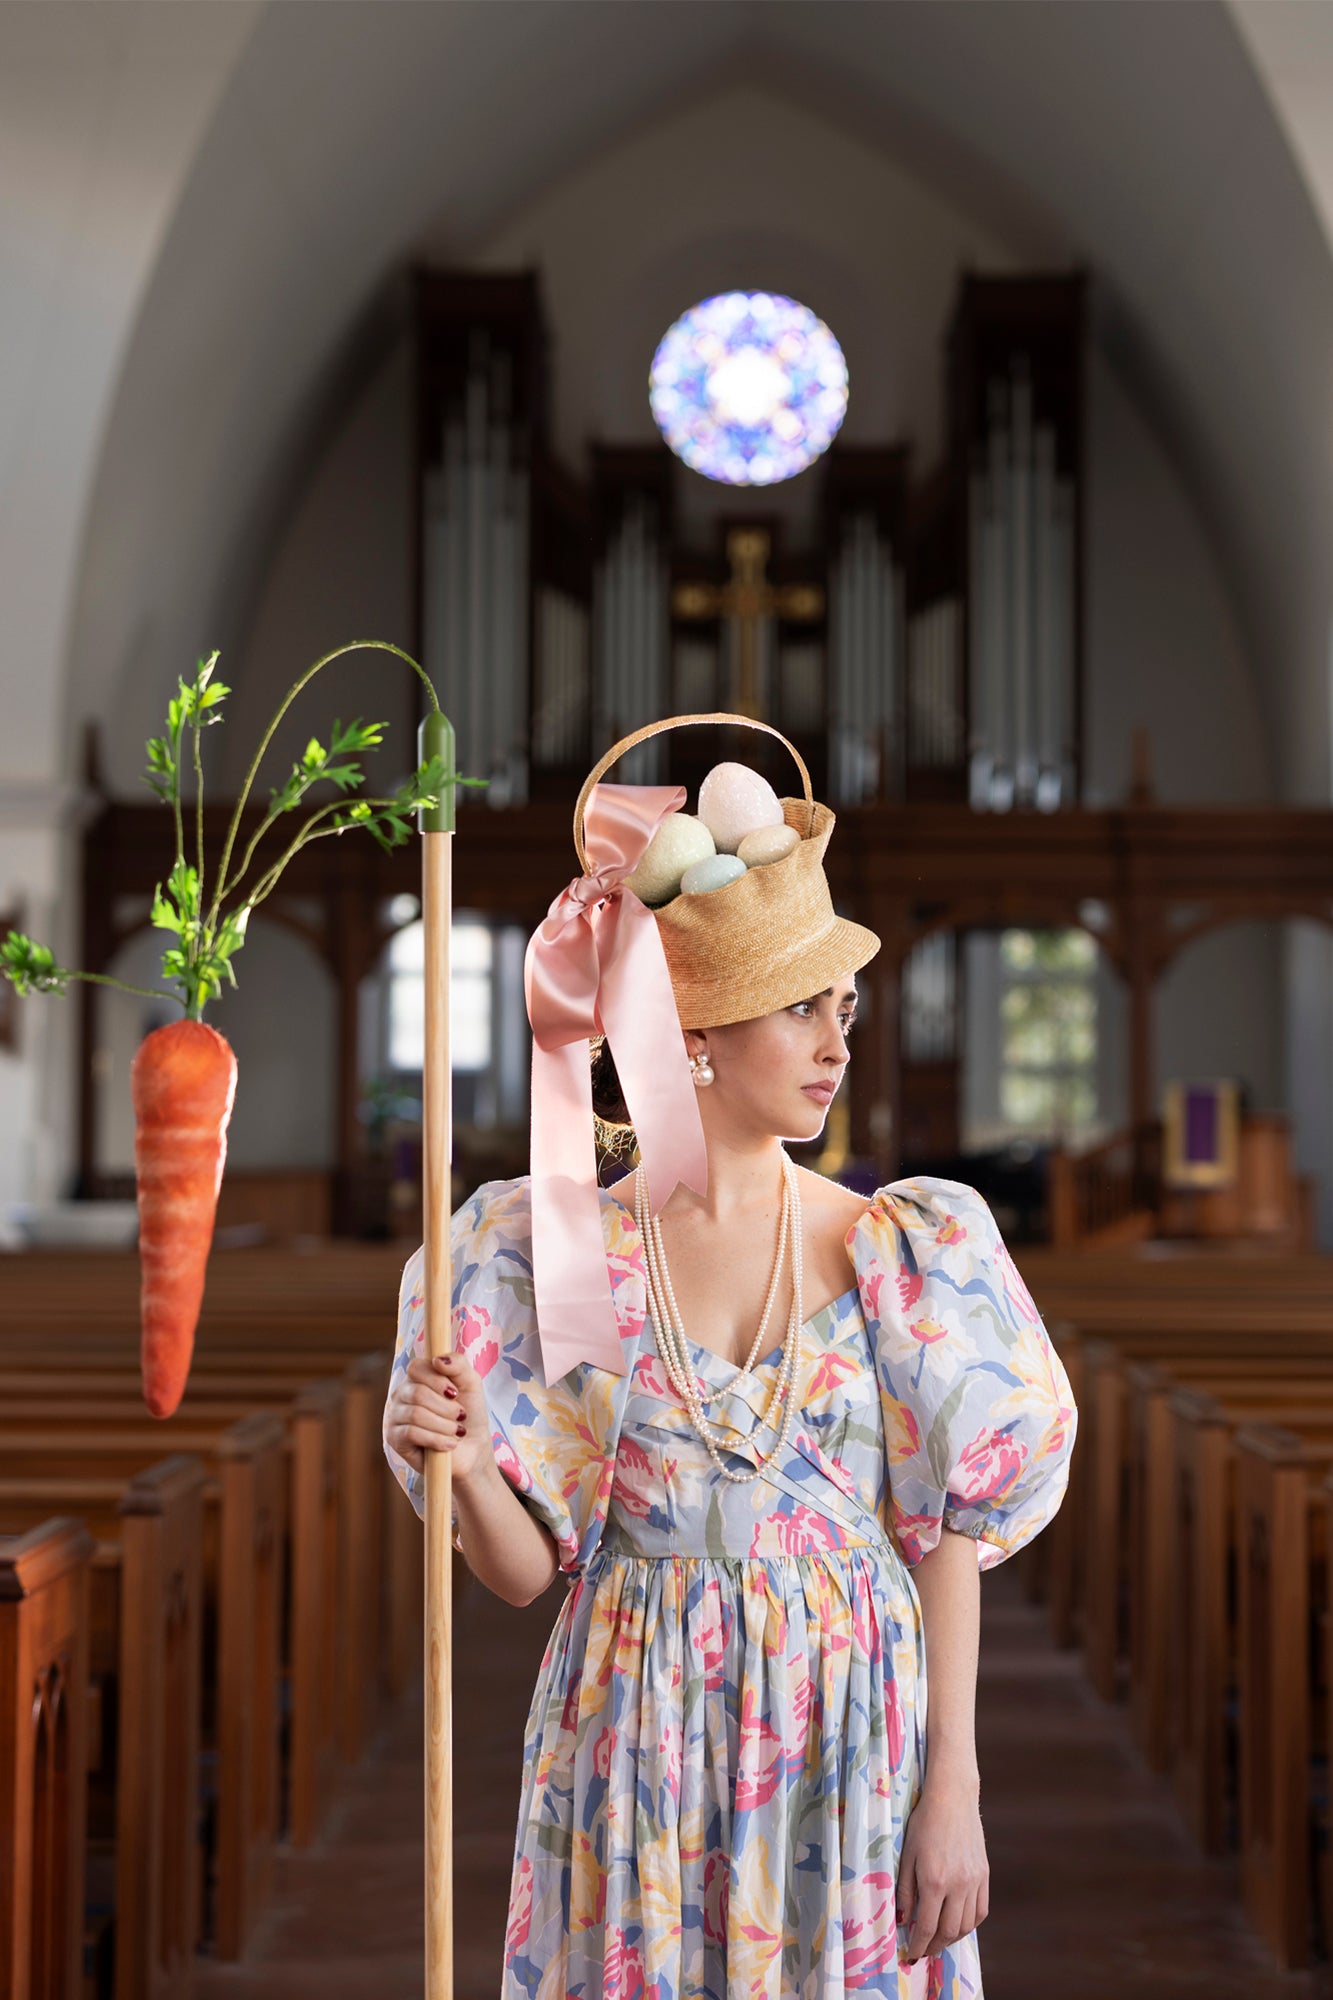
{"points": [[596, 965]]}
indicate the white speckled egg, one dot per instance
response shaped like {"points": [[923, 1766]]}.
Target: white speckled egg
{"points": [[734, 801], [714, 872], [768, 843], [679, 840]]}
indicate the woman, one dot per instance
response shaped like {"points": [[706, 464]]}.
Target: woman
{"points": [[729, 1787]]}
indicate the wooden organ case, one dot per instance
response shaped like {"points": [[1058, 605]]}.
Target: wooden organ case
{"points": [[926, 649]]}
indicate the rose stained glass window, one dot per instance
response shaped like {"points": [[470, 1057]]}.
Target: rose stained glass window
{"points": [[749, 388]]}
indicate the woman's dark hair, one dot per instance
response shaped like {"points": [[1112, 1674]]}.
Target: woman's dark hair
{"points": [[608, 1099]]}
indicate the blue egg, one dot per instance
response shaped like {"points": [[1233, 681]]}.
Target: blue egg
{"points": [[713, 872]]}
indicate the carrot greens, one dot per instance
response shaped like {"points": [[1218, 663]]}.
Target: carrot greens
{"points": [[204, 941]]}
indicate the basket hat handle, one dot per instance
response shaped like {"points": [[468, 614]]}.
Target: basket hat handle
{"points": [[679, 722]]}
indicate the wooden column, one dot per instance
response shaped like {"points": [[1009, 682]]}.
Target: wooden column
{"points": [[1140, 963], [877, 1098], [97, 948], [354, 940]]}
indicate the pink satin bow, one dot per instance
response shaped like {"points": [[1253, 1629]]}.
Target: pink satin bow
{"points": [[595, 965]]}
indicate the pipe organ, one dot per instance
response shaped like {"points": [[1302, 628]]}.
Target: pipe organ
{"points": [[476, 552], [1020, 536], [866, 515], [1017, 412], [928, 648], [562, 643], [935, 716], [865, 661], [631, 596]]}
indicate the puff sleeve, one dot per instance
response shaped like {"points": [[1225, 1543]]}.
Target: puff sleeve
{"points": [[979, 1419], [556, 1446]]}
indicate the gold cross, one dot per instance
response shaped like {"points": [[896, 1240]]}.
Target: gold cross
{"points": [[747, 598]]}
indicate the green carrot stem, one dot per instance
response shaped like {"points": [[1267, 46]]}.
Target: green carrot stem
{"points": [[199, 809], [144, 992], [226, 888], [354, 645], [268, 881], [176, 802]]}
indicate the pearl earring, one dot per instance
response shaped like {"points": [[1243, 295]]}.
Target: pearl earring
{"points": [[701, 1070]]}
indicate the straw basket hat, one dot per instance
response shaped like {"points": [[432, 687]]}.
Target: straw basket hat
{"points": [[766, 940], [603, 962]]}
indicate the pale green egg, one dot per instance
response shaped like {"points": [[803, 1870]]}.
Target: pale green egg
{"points": [[680, 840]]}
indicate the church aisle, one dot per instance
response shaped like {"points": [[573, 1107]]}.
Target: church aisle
{"points": [[1096, 1892]]}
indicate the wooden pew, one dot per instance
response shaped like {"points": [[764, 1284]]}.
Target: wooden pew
{"points": [[272, 1599], [44, 1640], [1199, 1530], [1062, 1535], [252, 1531], [1102, 1506], [381, 1587], [1194, 1533], [1280, 1576], [1152, 1500], [1231, 1481], [80, 1396], [312, 1612], [1324, 1740], [345, 1296], [1133, 1314], [145, 1641]]}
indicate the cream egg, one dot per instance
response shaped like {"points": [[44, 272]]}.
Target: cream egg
{"points": [[734, 801], [768, 843], [680, 840]]}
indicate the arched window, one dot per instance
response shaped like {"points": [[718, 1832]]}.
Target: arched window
{"points": [[1048, 1033], [488, 1028], [1038, 1066]]}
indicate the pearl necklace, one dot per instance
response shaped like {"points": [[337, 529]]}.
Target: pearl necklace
{"points": [[670, 1335]]}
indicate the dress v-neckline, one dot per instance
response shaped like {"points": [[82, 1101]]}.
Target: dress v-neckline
{"points": [[713, 1355], [774, 1353]]}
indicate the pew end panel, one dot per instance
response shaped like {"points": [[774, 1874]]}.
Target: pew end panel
{"points": [[1277, 1473], [44, 1625]]}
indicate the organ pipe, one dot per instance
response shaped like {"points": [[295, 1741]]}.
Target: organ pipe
{"points": [[559, 723], [864, 654], [934, 720], [475, 586], [1021, 656], [632, 635]]}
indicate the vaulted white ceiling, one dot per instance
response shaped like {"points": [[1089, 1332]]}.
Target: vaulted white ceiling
{"points": [[198, 264]]}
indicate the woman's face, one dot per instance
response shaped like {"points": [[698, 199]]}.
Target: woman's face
{"points": [[776, 1076]]}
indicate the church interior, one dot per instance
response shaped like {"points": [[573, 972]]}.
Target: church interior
{"points": [[336, 322]]}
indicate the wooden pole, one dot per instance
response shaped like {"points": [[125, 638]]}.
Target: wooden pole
{"points": [[437, 739]]}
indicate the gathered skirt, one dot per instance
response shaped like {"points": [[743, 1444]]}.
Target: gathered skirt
{"points": [[720, 1759]]}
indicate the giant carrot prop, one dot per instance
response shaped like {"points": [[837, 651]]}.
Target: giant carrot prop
{"points": [[183, 1082], [183, 1078]]}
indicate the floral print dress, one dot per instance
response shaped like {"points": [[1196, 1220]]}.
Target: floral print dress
{"points": [[728, 1732]]}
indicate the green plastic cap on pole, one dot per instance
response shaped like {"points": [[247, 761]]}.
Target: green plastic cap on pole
{"points": [[435, 738]]}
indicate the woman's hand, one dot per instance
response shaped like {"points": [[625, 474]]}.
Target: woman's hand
{"points": [[440, 1405], [943, 1876]]}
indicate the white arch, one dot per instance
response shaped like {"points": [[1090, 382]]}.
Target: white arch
{"points": [[102, 111], [1140, 140]]}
